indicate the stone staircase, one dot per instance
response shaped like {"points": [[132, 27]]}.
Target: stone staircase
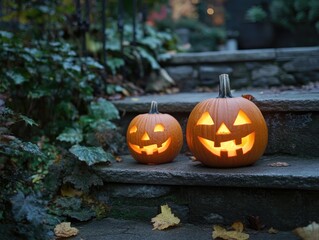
{"points": [[283, 197]]}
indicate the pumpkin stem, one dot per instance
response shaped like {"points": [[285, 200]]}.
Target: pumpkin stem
{"points": [[153, 109], [224, 86]]}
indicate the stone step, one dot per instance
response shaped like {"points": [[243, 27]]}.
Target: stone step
{"points": [[119, 229], [282, 197], [292, 116]]}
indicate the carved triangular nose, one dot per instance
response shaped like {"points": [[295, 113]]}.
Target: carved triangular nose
{"points": [[145, 136], [223, 130]]}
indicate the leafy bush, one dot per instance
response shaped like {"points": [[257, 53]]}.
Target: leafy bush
{"points": [[256, 14], [290, 13], [201, 36]]}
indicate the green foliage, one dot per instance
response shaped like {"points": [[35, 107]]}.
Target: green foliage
{"points": [[201, 37], [139, 58], [73, 208], [290, 13], [256, 14], [91, 155], [33, 220], [71, 135], [61, 124]]}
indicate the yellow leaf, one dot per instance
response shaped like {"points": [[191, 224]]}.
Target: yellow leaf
{"points": [[220, 232], [67, 191], [165, 219], [65, 230], [310, 232], [272, 230], [238, 226]]}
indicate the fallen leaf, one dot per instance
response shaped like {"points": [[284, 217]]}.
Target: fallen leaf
{"points": [[278, 164], [118, 159], [220, 232], [249, 97], [165, 219], [192, 158], [65, 230], [238, 226], [68, 191], [272, 230], [310, 232]]}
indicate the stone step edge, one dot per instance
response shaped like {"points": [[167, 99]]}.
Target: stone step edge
{"points": [[293, 101], [302, 173]]}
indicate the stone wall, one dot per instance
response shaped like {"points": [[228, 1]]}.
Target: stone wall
{"points": [[212, 205], [258, 68]]}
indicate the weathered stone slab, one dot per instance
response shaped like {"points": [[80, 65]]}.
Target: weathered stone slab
{"points": [[210, 74], [224, 56], [302, 173], [267, 101], [284, 54], [137, 191], [268, 70], [302, 64], [185, 76], [119, 229]]}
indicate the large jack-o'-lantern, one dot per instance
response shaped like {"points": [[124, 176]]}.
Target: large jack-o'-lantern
{"points": [[154, 138], [226, 131]]}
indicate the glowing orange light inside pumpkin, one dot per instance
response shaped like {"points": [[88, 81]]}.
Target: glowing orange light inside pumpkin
{"points": [[241, 119], [151, 149], [230, 147], [205, 119], [222, 130], [159, 128], [145, 137], [133, 129]]}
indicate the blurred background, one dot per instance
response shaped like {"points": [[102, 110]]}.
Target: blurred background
{"points": [[199, 25]]}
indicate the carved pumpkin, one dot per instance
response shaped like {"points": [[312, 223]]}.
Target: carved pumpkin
{"points": [[154, 138], [226, 131]]}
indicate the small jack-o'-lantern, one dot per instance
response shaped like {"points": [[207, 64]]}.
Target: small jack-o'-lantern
{"points": [[226, 131], [154, 138]]}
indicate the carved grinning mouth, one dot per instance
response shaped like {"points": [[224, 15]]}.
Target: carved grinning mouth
{"points": [[151, 149], [230, 147]]}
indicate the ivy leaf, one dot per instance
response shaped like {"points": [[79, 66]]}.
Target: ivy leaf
{"points": [[103, 109], [102, 125], [92, 63], [114, 64], [28, 121], [16, 77], [73, 207], [83, 178], [27, 207], [6, 34], [91, 155], [71, 135], [147, 56]]}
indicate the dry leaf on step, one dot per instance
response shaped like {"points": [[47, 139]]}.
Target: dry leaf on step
{"points": [[278, 164], [165, 219], [310, 232], [238, 226], [272, 230], [220, 232], [64, 230]]}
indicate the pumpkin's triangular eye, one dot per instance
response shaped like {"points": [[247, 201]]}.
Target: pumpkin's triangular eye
{"points": [[133, 129], [241, 119], [159, 128], [205, 119]]}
